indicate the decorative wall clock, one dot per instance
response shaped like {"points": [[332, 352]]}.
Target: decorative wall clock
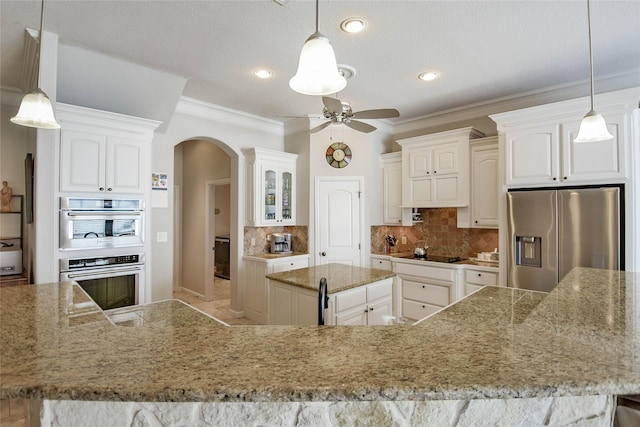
{"points": [[338, 155]]}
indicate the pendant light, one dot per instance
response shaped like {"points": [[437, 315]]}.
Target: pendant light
{"points": [[317, 69], [35, 109], [593, 127]]}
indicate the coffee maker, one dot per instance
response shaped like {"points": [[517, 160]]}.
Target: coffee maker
{"points": [[280, 243]]}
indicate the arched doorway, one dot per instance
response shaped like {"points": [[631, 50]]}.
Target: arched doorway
{"points": [[200, 165]]}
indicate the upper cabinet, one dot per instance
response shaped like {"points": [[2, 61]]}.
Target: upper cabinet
{"points": [[392, 188], [271, 178], [539, 147], [485, 186], [103, 152], [435, 169]]}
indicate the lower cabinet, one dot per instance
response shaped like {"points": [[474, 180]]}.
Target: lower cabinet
{"points": [[476, 279], [381, 262], [256, 285], [424, 289], [364, 305]]}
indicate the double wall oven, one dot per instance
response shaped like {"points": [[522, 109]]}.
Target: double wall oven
{"points": [[101, 242]]}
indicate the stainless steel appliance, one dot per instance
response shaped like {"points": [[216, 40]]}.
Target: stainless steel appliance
{"points": [[552, 231], [280, 243], [87, 223], [10, 257], [223, 257], [111, 281]]}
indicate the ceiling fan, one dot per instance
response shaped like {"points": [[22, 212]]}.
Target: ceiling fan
{"points": [[337, 111]]}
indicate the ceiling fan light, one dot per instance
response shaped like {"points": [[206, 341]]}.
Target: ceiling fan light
{"points": [[317, 69], [36, 111], [593, 128]]}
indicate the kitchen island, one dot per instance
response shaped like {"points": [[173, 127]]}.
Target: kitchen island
{"points": [[355, 295], [501, 355]]}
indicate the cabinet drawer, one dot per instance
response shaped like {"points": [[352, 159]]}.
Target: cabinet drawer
{"points": [[349, 299], [481, 277], [416, 311], [287, 265], [381, 264], [444, 274], [426, 292], [382, 289]]}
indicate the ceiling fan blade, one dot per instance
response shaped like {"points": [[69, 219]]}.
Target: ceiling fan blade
{"points": [[320, 127], [332, 104], [360, 126], [384, 113]]}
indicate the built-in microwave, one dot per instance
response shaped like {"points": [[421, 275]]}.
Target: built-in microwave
{"points": [[87, 223]]}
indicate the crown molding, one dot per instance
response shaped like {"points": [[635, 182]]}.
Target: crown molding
{"points": [[216, 113], [519, 101]]}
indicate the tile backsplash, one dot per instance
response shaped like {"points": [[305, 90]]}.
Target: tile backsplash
{"points": [[440, 232], [299, 238]]}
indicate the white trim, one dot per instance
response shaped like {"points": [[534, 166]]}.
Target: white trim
{"points": [[195, 108], [209, 205], [177, 238]]}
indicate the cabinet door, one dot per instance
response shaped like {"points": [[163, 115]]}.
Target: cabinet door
{"points": [[420, 162], [378, 310], [283, 299], [125, 170], [354, 317], [392, 193], [289, 264], [485, 188], [286, 189], [82, 162], [446, 159], [585, 162], [380, 263], [270, 198], [533, 155]]}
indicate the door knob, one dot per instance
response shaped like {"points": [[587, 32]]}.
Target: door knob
{"points": [[323, 253]]}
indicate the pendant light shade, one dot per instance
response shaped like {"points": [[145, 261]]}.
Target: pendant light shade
{"points": [[35, 109], [317, 69], [593, 127]]}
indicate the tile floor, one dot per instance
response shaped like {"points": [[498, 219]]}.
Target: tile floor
{"points": [[219, 306]]}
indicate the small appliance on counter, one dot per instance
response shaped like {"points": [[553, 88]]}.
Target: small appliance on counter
{"points": [[280, 243], [10, 257]]}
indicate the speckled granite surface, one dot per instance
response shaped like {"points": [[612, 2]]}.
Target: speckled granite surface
{"points": [[339, 277], [582, 338]]}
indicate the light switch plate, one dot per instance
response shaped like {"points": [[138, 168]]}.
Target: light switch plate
{"points": [[161, 236]]}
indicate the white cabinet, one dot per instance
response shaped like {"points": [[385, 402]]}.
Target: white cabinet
{"points": [[482, 211], [256, 285], [392, 188], [435, 169], [381, 262], [364, 305], [475, 279], [539, 147], [271, 178], [102, 152], [423, 289]]}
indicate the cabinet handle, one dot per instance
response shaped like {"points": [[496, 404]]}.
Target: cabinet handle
{"points": [[554, 178], [435, 171], [427, 172], [323, 253], [479, 275], [366, 310], [109, 189], [423, 286], [564, 178], [424, 306], [371, 309], [101, 188], [476, 221]]}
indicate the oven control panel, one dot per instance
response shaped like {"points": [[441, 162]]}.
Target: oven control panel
{"points": [[83, 263]]}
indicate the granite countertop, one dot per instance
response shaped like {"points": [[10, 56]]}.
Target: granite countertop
{"points": [[340, 277], [407, 257], [268, 256], [582, 338]]}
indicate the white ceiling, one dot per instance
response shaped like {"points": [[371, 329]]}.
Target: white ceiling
{"points": [[485, 50]]}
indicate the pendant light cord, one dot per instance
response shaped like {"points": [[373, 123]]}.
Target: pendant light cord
{"points": [[316, 15], [40, 43], [590, 53]]}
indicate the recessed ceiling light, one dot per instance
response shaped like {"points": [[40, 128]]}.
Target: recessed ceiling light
{"points": [[262, 73], [429, 75], [352, 25]]}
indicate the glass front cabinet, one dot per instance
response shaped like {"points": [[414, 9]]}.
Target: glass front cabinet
{"points": [[271, 179]]}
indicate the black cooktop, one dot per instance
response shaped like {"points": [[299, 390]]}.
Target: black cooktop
{"points": [[434, 258]]}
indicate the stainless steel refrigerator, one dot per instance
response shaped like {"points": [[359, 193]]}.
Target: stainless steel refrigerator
{"points": [[553, 230]]}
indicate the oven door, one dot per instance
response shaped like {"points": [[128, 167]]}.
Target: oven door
{"points": [[111, 287], [97, 230]]}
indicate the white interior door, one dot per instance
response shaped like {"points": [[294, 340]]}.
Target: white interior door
{"points": [[338, 220]]}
